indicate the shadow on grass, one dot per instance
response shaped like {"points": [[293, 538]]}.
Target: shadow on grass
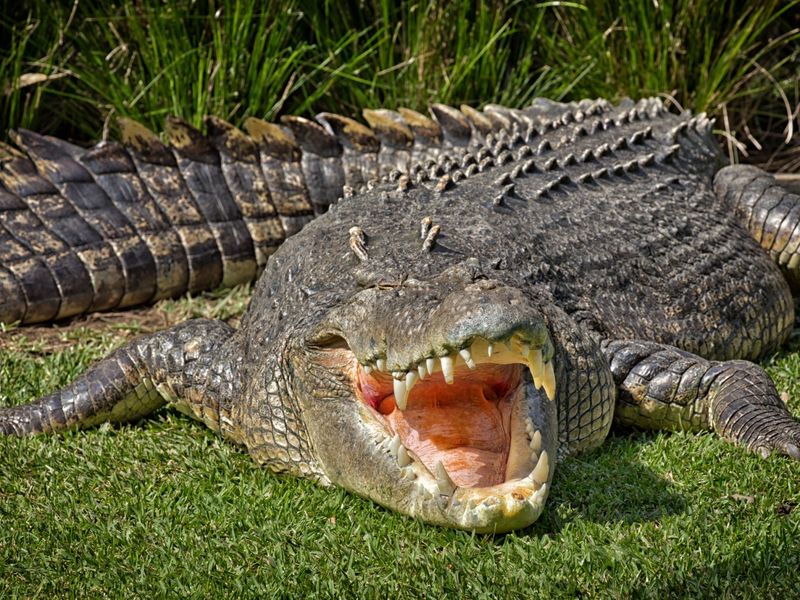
{"points": [[608, 485], [763, 571]]}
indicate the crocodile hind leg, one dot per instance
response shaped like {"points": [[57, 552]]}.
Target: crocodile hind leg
{"points": [[662, 387], [770, 212], [184, 365]]}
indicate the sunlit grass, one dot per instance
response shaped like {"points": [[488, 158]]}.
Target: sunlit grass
{"points": [[164, 507]]}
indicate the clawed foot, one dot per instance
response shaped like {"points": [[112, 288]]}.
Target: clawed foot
{"points": [[786, 442], [764, 429], [747, 410]]}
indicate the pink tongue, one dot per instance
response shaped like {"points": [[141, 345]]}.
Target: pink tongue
{"points": [[459, 426]]}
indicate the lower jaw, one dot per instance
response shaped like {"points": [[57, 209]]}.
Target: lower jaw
{"points": [[499, 508]]}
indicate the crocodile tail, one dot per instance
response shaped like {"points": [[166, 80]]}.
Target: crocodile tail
{"points": [[125, 223], [121, 224], [770, 212]]}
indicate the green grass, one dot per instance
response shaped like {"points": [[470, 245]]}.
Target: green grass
{"points": [[164, 507]]}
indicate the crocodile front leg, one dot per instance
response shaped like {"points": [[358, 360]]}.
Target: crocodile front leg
{"points": [[662, 387], [185, 365], [768, 210]]}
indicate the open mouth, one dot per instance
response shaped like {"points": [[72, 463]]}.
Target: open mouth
{"points": [[464, 423]]}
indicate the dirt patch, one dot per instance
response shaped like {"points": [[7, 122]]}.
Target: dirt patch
{"points": [[117, 327], [53, 337]]}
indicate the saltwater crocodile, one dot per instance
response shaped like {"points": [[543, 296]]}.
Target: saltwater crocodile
{"points": [[439, 339]]}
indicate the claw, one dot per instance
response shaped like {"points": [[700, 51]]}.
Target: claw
{"points": [[792, 450]]}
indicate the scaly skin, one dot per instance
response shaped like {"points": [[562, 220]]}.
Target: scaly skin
{"points": [[387, 346], [124, 224]]}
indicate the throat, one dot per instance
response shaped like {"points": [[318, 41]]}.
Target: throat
{"points": [[464, 427]]}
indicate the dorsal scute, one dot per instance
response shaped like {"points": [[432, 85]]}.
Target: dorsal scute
{"points": [[349, 132], [189, 141], [273, 139], [389, 127], [232, 140], [312, 137]]}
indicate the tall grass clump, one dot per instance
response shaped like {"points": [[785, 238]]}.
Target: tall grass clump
{"points": [[30, 63], [732, 59], [71, 68], [149, 59], [416, 53]]}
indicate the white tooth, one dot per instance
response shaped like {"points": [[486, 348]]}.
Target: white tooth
{"points": [[447, 368], [403, 459], [394, 444], [411, 379], [524, 349], [542, 470], [549, 381], [367, 369], [381, 364], [465, 354], [409, 474], [536, 366], [490, 349], [430, 364], [422, 371], [400, 393], [536, 441], [446, 485]]}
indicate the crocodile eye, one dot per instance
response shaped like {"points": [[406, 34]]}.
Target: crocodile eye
{"points": [[327, 340]]}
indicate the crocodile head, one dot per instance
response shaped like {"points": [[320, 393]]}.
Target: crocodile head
{"points": [[436, 399]]}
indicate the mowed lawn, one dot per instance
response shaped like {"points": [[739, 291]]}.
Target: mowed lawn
{"points": [[164, 507]]}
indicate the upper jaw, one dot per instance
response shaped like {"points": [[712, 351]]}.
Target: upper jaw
{"points": [[532, 348]]}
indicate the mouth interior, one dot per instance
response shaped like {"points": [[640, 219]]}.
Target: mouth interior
{"points": [[466, 425], [467, 437]]}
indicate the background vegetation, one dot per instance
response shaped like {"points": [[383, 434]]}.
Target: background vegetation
{"points": [[66, 68], [163, 508]]}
